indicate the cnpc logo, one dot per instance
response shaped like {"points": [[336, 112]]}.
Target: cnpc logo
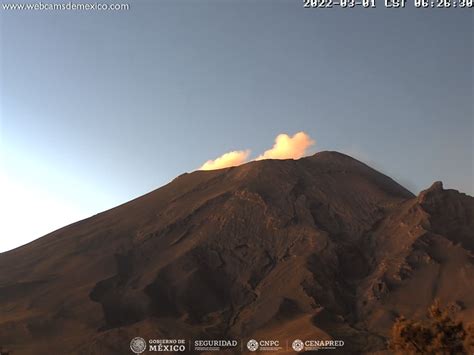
{"points": [[264, 345]]}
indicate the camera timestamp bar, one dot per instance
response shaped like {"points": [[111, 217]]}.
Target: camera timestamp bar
{"points": [[421, 4]]}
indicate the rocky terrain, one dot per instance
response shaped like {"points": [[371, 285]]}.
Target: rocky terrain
{"points": [[318, 248]]}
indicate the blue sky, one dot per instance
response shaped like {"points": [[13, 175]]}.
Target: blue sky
{"points": [[100, 107]]}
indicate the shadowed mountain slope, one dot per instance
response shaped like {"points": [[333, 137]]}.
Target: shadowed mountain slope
{"points": [[322, 247]]}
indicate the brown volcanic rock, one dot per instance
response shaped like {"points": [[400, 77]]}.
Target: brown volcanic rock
{"points": [[316, 248]]}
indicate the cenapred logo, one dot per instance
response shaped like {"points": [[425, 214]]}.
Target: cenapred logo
{"points": [[315, 345], [138, 345], [297, 345], [252, 345]]}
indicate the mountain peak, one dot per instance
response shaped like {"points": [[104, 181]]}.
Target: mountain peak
{"points": [[324, 244], [435, 187]]}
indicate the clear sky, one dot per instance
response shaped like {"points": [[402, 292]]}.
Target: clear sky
{"points": [[100, 107]]}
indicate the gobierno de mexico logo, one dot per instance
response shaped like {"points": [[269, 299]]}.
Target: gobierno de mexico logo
{"points": [[138, 345]]}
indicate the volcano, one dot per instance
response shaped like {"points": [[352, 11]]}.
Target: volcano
{"points": [[323, 247]]}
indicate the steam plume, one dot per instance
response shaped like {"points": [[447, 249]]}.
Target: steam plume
{"points": [[234, 158], [287, 147]]}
